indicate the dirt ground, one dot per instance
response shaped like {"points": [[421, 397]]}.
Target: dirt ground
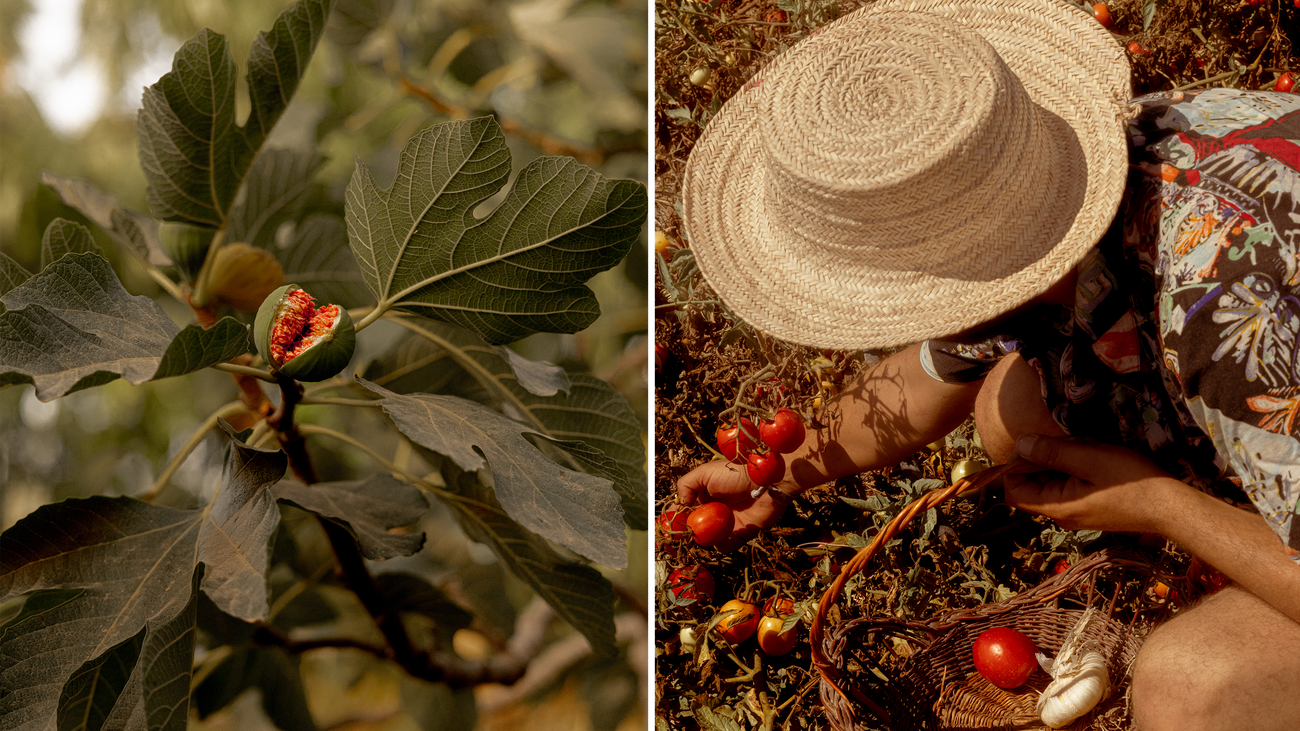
{"points": [[966, 554]]}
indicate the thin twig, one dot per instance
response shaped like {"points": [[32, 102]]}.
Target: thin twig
{"points": [[245, 371], [330, 400], [189, 446]]}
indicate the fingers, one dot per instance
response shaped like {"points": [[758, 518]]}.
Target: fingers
{"points": [[1062, 455]]}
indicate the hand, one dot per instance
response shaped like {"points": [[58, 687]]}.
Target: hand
{"points": [[728, 483], [1091, 486]]}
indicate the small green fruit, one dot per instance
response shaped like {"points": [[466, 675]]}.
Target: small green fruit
{"points": [[300, 340], [700, 76]]}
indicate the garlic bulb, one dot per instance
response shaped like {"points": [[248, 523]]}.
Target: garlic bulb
{"points": [[1080, 677]]}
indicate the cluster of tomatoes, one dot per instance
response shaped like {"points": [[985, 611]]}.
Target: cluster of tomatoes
{"points": [[741, 620], [760, 446], [710, 524]]}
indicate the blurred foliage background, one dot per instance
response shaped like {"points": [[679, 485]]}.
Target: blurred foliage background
{"points": [[562, 76]]}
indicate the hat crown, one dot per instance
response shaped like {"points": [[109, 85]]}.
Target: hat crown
{"points": [[879, 142]]}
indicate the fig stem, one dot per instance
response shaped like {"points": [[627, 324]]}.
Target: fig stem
{"points": [[321, 400], [245, 371], [189, 446]]}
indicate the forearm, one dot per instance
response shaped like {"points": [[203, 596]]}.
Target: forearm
{"points": [[1237, 542], [879, 419]]}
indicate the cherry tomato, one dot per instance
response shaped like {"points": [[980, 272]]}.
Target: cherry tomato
{"points": [[1102, 14], [1060, 566], [1285, 82], [741, 623], [711, 523], [691, 582], [966, 468], [1136, 49], [671, 526], [784, 433], [765, 469], [772, 640], [1163, 591], [1004, 656], [737, 441]]}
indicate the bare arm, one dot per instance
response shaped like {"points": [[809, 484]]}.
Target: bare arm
{"points": [[1111, 488], [880, 418]]}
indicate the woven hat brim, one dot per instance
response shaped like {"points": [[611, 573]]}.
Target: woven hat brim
{"points": [[785, 291]]}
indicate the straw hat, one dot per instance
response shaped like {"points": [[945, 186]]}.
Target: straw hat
{"points": [[911, 170]]}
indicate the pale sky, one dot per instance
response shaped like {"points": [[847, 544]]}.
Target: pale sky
{"points": [[70, 92]]}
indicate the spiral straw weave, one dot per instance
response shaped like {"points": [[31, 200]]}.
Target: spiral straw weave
{"points": [[911, 170]]}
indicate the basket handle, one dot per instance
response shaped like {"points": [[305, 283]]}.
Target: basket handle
{"points": [[964, 486]]}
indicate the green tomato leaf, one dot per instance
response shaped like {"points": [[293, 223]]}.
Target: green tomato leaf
{"points": [[518, 271], [135, 232], [576, 592], [137, 566], [368, 508], [193, 154], [65, 237], [74, 326], [576, 510]]}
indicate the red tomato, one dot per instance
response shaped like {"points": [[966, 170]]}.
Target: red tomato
{"points": [[784, 433], [671, 526], [1285, 82], [691, 582], [1060, 566], [740, 624], [777, 607], [711, 523], [737, 441], [1004, 656], [1102, 14], [772, 640], [1136, 49], [766, 470]]}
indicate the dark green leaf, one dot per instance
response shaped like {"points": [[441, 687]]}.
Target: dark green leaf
{"points": [[1148, 13], [518, 271], [157, 697], [136, 232], [92, 691], [267, 669], [74, 326], [410, 593], [193, 154], [318, 259], [368, 509], [277, 186], [576, 510], [136, 563], [65, 237], [194, 348], [12, 274], [578, 593]]}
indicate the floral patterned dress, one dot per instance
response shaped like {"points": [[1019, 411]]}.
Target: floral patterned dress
{"points": [[1184, 341]]}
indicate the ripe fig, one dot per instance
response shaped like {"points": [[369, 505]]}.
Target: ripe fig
{"points": [[300, 340], [243, 275]]}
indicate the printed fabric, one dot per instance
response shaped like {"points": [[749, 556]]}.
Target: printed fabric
{"points": [[1183, 341]]}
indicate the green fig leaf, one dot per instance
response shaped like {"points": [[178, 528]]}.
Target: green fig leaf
{"points": [[194, 155], [134, 231], [576, 592], [410, 593], [368, 508], [267, 669], [576, 510], [74, 326], [66, 237], [518, 271], [12, 274], [317, 258], [591, 427], [136, 564], [275, 191]]}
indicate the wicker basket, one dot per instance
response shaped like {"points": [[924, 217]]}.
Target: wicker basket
{"points": [[936, 687]]}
